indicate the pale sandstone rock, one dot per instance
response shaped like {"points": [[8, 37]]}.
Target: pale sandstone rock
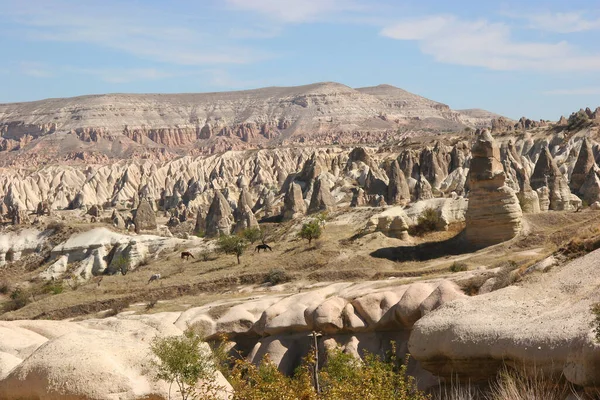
{"points": [[219, 219], [494, 214], [144, 218], [321, 199], [293, 203], [585, 162], [398, 191], [408, 309]]}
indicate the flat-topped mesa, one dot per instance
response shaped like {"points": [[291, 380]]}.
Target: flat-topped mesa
{"points": [[494, 214]]}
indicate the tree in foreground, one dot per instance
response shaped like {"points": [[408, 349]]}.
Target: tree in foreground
{"points": [[233, 244], [184, 360], [311, 230]]}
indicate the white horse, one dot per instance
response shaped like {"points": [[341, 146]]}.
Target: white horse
{"points": [[154, 277]]}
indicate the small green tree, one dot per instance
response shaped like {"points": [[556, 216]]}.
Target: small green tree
{"points": [[578, 120], [183, 360], [252, 234], [233, 244], [311, 230]]}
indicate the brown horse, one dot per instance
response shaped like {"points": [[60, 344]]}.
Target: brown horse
{"points": [[186, 255]]}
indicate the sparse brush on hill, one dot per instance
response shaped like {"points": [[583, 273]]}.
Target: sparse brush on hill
{"points": [[232, 244], [578, 120], [19, 298], [277, 276], [428, 221], [458, 267], [311, 230], [252, 234]]}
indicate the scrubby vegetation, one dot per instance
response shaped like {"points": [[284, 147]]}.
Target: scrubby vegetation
{"points": [[233, 244], [458, 267], [311, 230], [578, 120], [183, 361], [428, 221], [252, 235], [277, 276]]}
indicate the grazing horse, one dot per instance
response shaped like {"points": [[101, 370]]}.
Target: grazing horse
{"points": [[264, 247], [154, 277], [186, 255]]}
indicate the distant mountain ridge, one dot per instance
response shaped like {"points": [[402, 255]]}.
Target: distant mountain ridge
{"points": [[118, 125]]}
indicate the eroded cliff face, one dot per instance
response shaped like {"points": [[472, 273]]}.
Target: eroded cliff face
{"points": [[126, 125]]}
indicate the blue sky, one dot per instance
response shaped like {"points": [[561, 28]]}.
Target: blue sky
{"points": [[537, 58]]}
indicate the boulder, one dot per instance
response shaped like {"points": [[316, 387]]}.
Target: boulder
{"points": [[359, 198], [423, 190], [493, 215]]}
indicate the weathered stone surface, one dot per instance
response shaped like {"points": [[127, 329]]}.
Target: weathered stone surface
{"points": [[494, 214], [526, 325], [219, 219], [245, 220], [321, 199], [144, 218], [590, 189], [546, 173], [585, 162], [398, 191], [423, 190], [293, 203]]}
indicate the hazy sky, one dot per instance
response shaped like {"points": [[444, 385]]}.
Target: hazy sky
{"points": [[535, 58]]}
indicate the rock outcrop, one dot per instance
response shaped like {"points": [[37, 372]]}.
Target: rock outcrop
{"points": [[293, 203], [585, 162], [547, 173], [398, 191], [144, 217], [219, 219], [494, 214], [321, 199]]}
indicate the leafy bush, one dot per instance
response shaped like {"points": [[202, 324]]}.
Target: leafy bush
{"points": [[121, 264], [311, 230], [277, 276], [232, 244], [342, 378], [252, 234], [374, 379], [578, 120], [428, 221], [19, 298], [53, 287], [4, 287], [458, 267], [184, 361]]}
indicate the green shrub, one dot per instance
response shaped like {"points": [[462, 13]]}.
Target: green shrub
{"points": [[184, 361], [578, 120], [428, 221], [458, 267], [19, 298], [252, 234], [4, 287], [53, 287], [277, 276], [121, 264], [232, 244], [311, 230]]}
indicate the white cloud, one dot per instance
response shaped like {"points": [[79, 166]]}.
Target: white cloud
{"points": [[35, 70], [584, 91], [131, 29], [295, 11], [481, 43], [566, 22]]}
